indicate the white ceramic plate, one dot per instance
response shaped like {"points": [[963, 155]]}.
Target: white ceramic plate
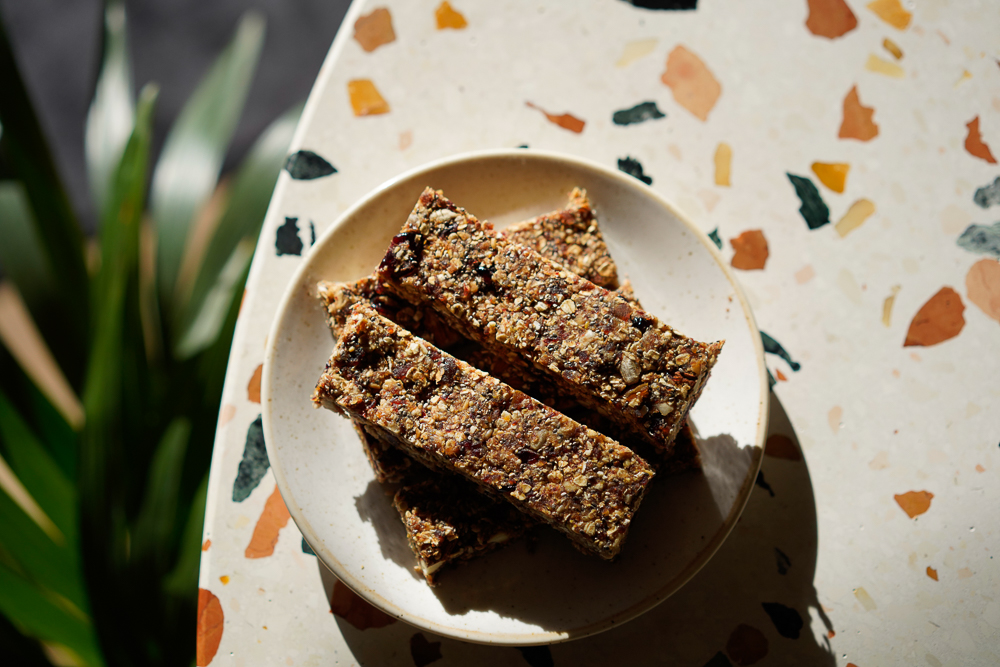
{"points": [[549, 592]]}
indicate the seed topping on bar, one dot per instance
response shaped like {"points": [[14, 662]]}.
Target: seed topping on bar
{"points": [[452, 416], [593, 344]]}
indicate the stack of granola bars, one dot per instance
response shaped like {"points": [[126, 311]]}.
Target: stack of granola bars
{"points": [[508, 379]]}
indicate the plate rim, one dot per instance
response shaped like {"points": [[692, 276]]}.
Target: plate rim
{"points": [[327, 559]]}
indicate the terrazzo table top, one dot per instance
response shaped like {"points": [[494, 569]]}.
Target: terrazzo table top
{"points": [[840, 155]]}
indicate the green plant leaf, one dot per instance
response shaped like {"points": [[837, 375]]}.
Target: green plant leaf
{"points": [[121, 220], [183, 579], [21, 253], [28, 153], [119, 250], [112, 111], [192, 156], [208, 321], [248, 201], [56, 433], [19, 649], [48, 564], [158, 514], [38, 616], [103, 460], [37, 471]]}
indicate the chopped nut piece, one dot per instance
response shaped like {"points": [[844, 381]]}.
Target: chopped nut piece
{"points": [[629, 370], [552, 341], [362, 381]]}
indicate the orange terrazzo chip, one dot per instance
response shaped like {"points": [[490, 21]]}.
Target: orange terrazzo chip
{"points": [[447, 17], [355, 610], [694, 86], [830, 18], [746, 645], [832, 174], [271, 521], [974, 143], [781, 446], [892, 48], [892, 12], [856, 215], [937, 320], [751, 250], [914, 503], [253, 387], [374, 30], [209, 629], [723, 164], [858, 120], [982, 283], [565, 121], [365, 98]]}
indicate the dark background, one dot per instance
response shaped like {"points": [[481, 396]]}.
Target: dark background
{"points": [[57, 44]]}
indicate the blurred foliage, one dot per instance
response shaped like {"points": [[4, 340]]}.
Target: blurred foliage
{"points": [[113, 355]]}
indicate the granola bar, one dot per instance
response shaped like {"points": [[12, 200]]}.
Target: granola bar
{"points": [[447, 521], [571, 237], [452, 416], [592, 343]]}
